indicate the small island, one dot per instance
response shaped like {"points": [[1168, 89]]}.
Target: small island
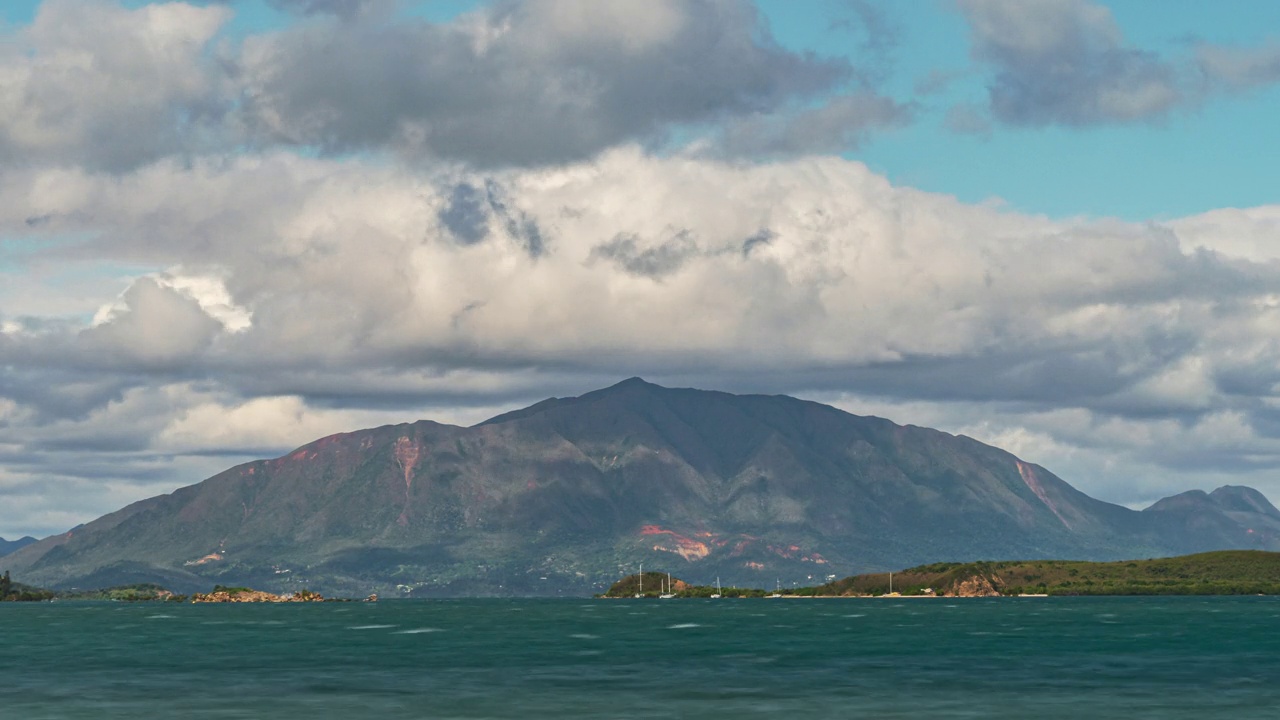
{"points": [[1228, 572], [221, 594], [11, 591]]}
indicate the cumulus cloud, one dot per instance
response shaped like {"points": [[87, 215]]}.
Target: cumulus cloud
{"points": [[519, 82], [158, 327], [650, 263], [1065, 62], [526, 83], [368, 265], [1247, 233], [94, 83]]}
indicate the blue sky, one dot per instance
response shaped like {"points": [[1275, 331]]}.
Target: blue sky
{"points": [[228, 228], [1194, 161]]}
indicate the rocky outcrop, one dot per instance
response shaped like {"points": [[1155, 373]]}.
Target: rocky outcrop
{"points": [[976, 586]]}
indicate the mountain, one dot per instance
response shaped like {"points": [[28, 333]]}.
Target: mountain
{"points": [[571, 493], [8, 546]]}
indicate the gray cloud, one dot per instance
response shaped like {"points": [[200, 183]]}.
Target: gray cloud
{"points": [[346, 9], [1065, 62], [467, 214], [840, 124], [514, 83], [519, 225], [655, 262], [1240, 68], [967, 120], [526, 83], [758, 240]]}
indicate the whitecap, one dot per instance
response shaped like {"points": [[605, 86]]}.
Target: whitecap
{"points": [[414, 631], [369, 627], [585, 636], [856, 615], [683, 626], [160, 617]]}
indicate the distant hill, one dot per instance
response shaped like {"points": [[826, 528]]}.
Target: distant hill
{"points": [[8, 546], [568, 495]]}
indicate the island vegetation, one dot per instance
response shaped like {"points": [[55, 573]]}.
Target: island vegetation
{"points": [[223, 594], [652, 584], [1228, 572], [11, 591]]}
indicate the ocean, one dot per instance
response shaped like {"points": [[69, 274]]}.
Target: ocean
{"points": [[1094, 658]]}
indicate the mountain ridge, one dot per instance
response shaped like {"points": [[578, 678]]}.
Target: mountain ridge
{"points": [[9, 546], [579, 490]]}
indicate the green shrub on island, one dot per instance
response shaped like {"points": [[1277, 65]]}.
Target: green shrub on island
{"points": [[654, 585], [11, 591], [1227, 572]]}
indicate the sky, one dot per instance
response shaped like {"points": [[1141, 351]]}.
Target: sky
{"points": [[228, 228]]}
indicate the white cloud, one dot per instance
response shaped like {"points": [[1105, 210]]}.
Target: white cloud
{"points": [[209, 292], [89, 81], [1247, 233]]}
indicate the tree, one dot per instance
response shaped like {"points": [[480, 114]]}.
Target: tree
{"points": [[5, 585]]}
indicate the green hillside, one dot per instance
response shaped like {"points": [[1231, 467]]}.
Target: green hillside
{"points": [[1229, 572]]}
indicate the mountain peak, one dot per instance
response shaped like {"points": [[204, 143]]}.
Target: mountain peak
{"points": [[570, 489], [630, 385], [1189, 500], [1243, 499], [9, 546]]}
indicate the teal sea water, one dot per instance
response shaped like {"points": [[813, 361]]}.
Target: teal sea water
{"points": [[871, 658]]}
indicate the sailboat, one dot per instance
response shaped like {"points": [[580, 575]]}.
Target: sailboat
{"points": [[640, 594], [668, 593], [777, 593], [717, 589]]}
